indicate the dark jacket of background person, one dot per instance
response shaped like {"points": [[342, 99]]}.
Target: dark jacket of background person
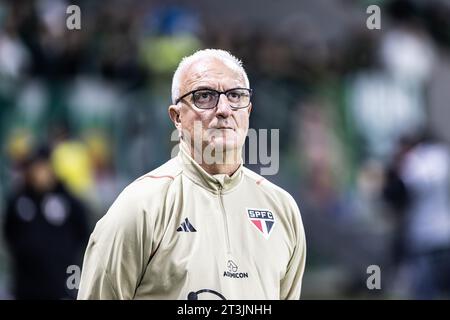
{"points": [[45, 229]]}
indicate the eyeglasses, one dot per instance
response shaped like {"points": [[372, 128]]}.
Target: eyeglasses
{"points": [[239, 98]]}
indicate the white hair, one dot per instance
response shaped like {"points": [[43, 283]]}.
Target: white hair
{"points": [[224, 56]]}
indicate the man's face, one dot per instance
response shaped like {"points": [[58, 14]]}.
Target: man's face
{"points": [[219, 128]]}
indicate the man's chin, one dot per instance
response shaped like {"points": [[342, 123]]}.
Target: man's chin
{"points": [[221, 144], [221, 150]]}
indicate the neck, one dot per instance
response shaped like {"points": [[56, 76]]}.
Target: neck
{"points": [[227, 162], [227, 169]]}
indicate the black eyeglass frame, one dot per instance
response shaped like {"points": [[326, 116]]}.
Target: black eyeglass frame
{"points": [[250, 91]]}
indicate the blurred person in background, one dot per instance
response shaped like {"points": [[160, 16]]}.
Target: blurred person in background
{"points": [[72, 163], [417, 187], [201, 225], [45, 228], [426, 174]]}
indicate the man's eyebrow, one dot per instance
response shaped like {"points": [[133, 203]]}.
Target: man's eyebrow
{"points": [[203, 88]]}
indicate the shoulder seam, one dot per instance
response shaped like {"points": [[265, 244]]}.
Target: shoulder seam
{"points": [[260, 180], [154, 177], [253, 176]]}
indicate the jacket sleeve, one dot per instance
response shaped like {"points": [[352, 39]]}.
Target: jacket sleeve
{"points": [[291, 284], [117, 252]]}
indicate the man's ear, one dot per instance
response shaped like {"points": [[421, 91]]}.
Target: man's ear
{"points": [[174, 114], [250, 108]]}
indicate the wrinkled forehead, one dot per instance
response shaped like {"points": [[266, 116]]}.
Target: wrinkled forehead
{"points": [[211, 71]]}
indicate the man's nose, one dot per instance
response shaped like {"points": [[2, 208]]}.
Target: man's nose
{"points": [[223, 107]]}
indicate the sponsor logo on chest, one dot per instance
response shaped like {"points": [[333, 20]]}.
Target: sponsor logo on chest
{"points": [[233, 271]]}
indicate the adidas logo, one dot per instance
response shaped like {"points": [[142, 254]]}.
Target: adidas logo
{"points": [[186, 226]]}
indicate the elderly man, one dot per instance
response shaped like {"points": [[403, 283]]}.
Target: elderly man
{"points": [[201, 226]]}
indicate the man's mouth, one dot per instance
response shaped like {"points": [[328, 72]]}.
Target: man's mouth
{"points": [[223, 128]]}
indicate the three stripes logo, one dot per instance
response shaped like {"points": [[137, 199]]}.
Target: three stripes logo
{"points": [[186, 226], [262, 219]]}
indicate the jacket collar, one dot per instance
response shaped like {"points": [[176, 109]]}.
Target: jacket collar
{"points": [[196, 173]]}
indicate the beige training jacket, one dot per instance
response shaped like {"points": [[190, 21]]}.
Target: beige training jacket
{"points": [[181, 233]]}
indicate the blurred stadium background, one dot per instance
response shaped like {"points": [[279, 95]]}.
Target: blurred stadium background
{"points": [[363, 118]]}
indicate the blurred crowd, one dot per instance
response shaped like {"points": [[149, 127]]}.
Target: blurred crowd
{"points": [[362, 116]]}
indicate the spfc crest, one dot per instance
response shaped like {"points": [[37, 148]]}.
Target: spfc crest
{"points": [[262, 219]]}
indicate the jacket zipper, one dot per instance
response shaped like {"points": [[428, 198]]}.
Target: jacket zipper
{"points": [[227, 235]]}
